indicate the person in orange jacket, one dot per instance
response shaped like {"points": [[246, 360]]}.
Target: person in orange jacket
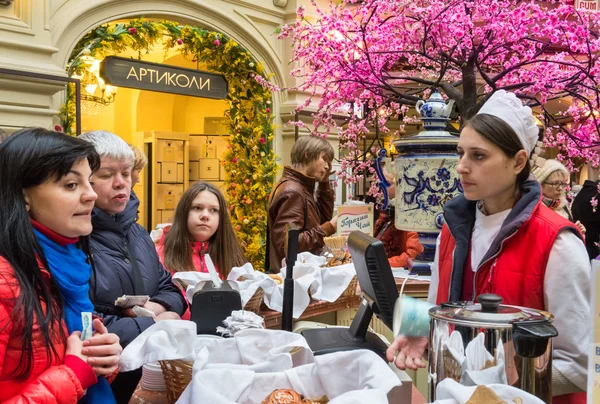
{"points": [[401, 246]]}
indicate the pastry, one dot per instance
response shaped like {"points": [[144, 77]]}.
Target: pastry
{"points": [[276, 278], [339, 258], [484, 395], [283, 396]]}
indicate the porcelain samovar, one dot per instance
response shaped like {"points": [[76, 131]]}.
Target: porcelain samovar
{"points": [[425, 173]]}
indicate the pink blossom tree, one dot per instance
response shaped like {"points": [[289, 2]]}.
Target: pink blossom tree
{"points": [[384, 55]]}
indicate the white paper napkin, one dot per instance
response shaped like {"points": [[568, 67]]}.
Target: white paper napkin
{"points": [[476, 357], [343, 377], [326, 284], [177, 339], [247, 288], [449, 391]]}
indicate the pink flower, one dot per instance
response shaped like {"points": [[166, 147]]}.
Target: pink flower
{"points": [[238, 228], [248, 201], [234, 160], [268, 110], [217, 42], [229, 145], [594, 203], [132, 31], [179, 41], [58, 128], [233, 185], [247, 181], [262, 140]]}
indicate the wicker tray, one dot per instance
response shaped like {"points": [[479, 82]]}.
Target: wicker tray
{"points": [[177, 374], [351, 289], [256, 301]]}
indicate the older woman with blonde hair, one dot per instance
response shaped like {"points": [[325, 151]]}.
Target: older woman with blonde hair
{"points": [[140, 161], [554, 179]]}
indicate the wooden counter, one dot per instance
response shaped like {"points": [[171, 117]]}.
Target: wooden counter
{"points": [[315, 308], [414, 288]]}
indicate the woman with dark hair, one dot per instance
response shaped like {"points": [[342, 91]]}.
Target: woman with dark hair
{"points": [[500, 238], [47, 200], [201, 225]]}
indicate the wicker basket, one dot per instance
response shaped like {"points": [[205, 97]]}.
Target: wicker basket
{"points": [[452, 368], [177, 374], [256, 301], [351, 289]]}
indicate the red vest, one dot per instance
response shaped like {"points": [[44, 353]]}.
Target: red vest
{"points": [[517, 272]]}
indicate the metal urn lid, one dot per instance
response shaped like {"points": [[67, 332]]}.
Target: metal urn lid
{"points": [[488, 313]]}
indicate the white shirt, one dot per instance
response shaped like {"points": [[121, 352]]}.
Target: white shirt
{"points": [[566, 292]]}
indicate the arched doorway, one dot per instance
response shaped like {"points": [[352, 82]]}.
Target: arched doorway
{"points": [[248, 112]]}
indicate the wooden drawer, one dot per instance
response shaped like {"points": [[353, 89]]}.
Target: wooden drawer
{"points": [[166, 216], [168, 172], [194, 166], [210, 149], [167, 196], [170, 150], [180, 176], [209, 169]]}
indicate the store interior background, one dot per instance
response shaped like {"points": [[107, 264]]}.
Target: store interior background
{"points": [[137, 114]]}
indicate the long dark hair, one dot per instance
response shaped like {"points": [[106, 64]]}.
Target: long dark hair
{"points": [[29, 158], [502, 135], [224, 249]]}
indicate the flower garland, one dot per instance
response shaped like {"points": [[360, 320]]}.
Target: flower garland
{"points": [[249, 160]]}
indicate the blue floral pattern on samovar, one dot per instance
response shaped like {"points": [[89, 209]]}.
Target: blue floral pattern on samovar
{"points": [[425, 169]]}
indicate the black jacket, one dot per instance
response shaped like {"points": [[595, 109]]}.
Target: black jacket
{"points": [[111, 245], [582, 211]]}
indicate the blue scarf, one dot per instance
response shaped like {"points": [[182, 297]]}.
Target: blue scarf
{"points": [[72, 274]]}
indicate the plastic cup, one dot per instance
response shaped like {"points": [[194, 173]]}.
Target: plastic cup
{"points": [[411, 317]]}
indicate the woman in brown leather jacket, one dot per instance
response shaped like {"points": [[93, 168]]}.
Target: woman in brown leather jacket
{"points": [[295, 204]]}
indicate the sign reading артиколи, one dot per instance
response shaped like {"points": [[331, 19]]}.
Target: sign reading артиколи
{"points": [[131, 73]]}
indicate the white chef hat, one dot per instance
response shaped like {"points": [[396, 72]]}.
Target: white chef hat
{"points": [[510, 109]]}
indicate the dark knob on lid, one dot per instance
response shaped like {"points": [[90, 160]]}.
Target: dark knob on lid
{"points": [[490, 303]]}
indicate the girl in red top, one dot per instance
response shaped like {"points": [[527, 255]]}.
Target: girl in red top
{"points": [[47, 200], [201, 225]]}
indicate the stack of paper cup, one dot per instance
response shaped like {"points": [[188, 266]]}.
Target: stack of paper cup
{"points": [[152, 377], [411, 317]]}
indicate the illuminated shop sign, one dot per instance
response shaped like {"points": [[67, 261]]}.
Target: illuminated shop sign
{"points": [[131, 73]]}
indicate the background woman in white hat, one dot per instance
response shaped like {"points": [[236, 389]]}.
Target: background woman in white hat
{"points": [[554, 179]]}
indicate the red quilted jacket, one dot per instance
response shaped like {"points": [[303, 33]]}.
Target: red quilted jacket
{"points": [[50, 381]]}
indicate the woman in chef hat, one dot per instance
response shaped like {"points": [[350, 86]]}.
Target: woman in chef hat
{"points": [[500, 238]]}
